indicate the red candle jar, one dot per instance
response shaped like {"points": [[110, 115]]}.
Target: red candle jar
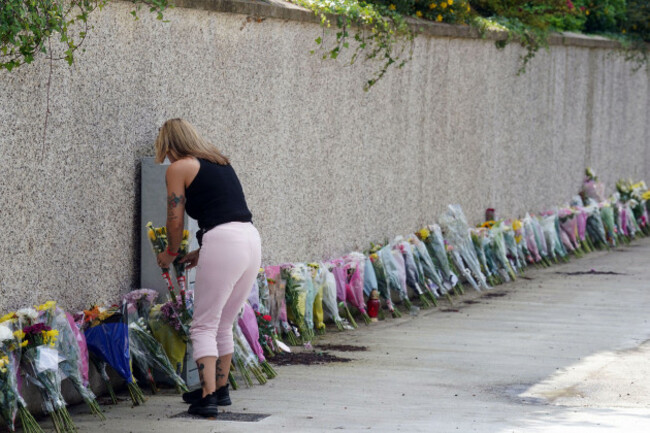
{"points": [[373, 305]]}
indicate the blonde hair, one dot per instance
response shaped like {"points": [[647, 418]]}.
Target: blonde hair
{"points": [[178, 138]]}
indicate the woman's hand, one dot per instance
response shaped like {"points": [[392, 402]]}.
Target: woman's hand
{"points": [[164, 260], [191, 259]]}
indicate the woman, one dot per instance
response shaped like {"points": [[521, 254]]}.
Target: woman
{"points": [[201, 181]]}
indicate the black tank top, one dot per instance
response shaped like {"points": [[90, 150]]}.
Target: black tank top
{"points": [[215, 197]]}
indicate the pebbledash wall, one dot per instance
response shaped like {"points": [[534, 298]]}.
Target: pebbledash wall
{"points": [[327, 168]]}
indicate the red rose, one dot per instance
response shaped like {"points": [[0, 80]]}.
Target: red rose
{"points": [[266, 317]]}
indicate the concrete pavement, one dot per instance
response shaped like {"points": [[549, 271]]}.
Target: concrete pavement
{"points": [[548, 353]]}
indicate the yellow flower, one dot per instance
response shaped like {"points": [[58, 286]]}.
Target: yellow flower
{"points": [[587, 13], [24, 343], [46, 306], [418, 14], [432, 6], [439, 18], [20, 335], [392, 7], [7, 317], [516, 225], [49, 337], [424, 233], [646, 195], [451, 2], [443, 5], [623, 31], [152, 234]]}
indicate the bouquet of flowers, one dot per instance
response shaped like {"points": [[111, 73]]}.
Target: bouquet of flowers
{"points": [[437, 249], [341, 280], [177, 313], [319, 313], [498, 245], [479, 240], [40, 361], [608, 221], [73, 363], [326, 279], [149, 354], [277, 303], [296, 293], [412, 272], [395, 275], [11, 402], [382, 283], [244, 359], [430, 274], [355, 265], [108, 340], [595, 226], [263, 292], [308, 282], [592, 187], [248, 325], [158, 238], [457, 233]]}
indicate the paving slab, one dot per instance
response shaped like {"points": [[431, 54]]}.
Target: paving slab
{"points": [[550, 353]]}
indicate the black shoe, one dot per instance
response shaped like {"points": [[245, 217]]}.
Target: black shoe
{"points": [[205, 407], [223, 396]]}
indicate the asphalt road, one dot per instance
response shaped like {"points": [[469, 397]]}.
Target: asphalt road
{"points": [[552, 352]]}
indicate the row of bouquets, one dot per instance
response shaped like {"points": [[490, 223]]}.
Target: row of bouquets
{"points": [[436, 261], [139, 340]]}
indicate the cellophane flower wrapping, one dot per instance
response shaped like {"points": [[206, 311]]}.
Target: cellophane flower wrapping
{"points": [[544, 249], [595, 225], [148, 354], [569, 225], [311, 290], [174, 343], [431, 276], [530, 238], [369, 278], [10, 398], [245, 359], [412, 272], [515, 258], [248, 325], [354, 265], [40, 363], [608, 221], [381, 277], [172, 312], [109, 341], [594, 189], [456, 229], [497, 241], [277, 299], [330, 305], [437, 249], [548, 226], [263, 292], [296, 294], [319, 312], [73, 365], [254, 297], [477, 236], [396, 279]]}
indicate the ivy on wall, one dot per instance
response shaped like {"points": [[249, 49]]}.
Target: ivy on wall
{"points": [[28, 27]]}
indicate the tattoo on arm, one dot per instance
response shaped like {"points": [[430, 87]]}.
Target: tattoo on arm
{"points": [[173, 201]]}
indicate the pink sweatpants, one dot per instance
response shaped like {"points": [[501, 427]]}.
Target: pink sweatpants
{"points": [[229, 261]]}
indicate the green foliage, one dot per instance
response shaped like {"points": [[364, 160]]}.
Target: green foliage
{"points": [[605, 16], [28, 26], [374, 30], [530, 22]]}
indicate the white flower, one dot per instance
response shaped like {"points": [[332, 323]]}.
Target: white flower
{"points": [[5, 333], [28, 313]]}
